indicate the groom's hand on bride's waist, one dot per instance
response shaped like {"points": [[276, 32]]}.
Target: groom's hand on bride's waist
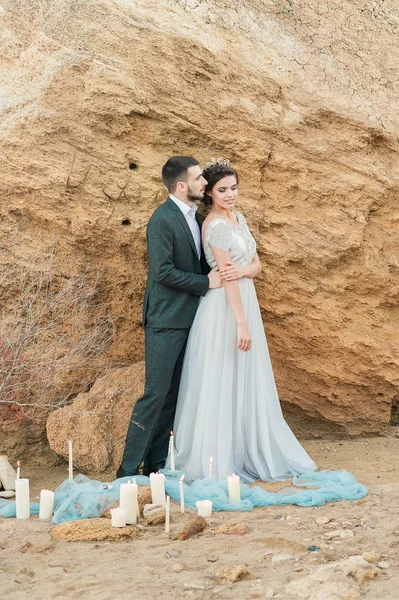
{"points": [[214, 279]]}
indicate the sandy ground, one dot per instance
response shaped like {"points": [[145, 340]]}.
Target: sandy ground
{"points": [[153, 566]]}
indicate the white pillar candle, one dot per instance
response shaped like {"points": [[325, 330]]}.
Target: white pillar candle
{"points": [[233, 483], [128, 501], [118, 517], [22, 498], [210, 466], [137, 498], [70, 466], [181, 494], [172, 451], [167, 515], [204, 508], [46, 504], [157, 482]]}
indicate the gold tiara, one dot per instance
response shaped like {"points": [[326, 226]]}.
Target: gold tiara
{"points": [[219, 161]]}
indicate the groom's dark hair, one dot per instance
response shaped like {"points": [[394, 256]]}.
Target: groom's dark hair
{"points": [[175, 170]]}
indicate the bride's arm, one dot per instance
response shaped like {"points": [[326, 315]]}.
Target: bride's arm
{"points": [[232, 271], [234, 298]]}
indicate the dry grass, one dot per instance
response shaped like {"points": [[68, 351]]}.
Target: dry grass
{"points": [[53, 337]]}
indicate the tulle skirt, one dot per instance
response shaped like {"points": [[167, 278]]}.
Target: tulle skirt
{"points": [[228, 406]]}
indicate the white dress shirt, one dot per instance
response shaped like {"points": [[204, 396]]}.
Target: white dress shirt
{"points": [[189, 215]]}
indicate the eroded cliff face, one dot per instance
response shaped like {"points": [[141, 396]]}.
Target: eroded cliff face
{"points": [[301, 97]]}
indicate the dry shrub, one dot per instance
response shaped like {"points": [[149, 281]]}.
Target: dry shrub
{"points": [[53, 336]]}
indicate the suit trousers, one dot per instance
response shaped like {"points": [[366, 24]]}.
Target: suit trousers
{"points": [[152, 419]]}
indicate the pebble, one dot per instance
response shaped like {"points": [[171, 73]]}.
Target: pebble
{"points": [[281, 558], [322, 520], [384, 564], [371, 557], [269, 593], [342, 533], [177, 568], [151, 509]]}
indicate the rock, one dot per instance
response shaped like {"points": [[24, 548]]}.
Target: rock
{"points": [[341, 533], [8, 494], [144, 497], [97, 421], [92, 530], [177, 568], [340, 580], [156, 516], [371, 557], [232, 574], [151, 509], [322, 520], [384, 564], [282, 558], [192, 528], [269, 593], [317, 156], [7, 475]]}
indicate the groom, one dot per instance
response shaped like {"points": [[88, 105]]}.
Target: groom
{"points": [[176, 281]]}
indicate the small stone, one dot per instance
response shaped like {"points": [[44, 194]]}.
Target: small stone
{"points": [[151, 509], [177, 568], [384, 564], [322, 520], [195, 526], [341, 533], [371, 557], [233, 573], [212, 559], [7, 474], [8, 494], [298, 569], [281, 558], [156, 518], [269, 593]]}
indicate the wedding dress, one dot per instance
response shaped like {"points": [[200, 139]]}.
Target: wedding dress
{"points": [[228, 407]]}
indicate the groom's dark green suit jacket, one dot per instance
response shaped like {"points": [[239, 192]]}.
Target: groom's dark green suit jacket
{"points": [[176, 276]]}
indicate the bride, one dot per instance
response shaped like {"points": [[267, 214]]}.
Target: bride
{"points": [[228, 407]]}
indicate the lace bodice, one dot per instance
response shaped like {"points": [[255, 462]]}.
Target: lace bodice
{"points": [[225, 236]]}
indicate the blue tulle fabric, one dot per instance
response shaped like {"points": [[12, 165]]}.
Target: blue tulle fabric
{"points": [[83, 498]]}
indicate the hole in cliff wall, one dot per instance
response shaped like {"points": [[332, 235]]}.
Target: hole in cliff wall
{"points": [[132, 166], [395, 411], [126, 222]]}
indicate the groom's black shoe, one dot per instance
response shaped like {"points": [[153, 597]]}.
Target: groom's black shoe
{"points": [[122, 473]]}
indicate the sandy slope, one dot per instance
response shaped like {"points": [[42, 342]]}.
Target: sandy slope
{"points": [[34, 566]]}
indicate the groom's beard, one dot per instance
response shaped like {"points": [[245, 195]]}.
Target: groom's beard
{"points": [[192, 197]]}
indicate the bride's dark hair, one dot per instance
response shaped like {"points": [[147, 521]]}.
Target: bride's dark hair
{"points": [[213, 172]]}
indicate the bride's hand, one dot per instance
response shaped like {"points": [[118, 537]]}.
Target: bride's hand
{"points": [[231, 272], [244, 337]]}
